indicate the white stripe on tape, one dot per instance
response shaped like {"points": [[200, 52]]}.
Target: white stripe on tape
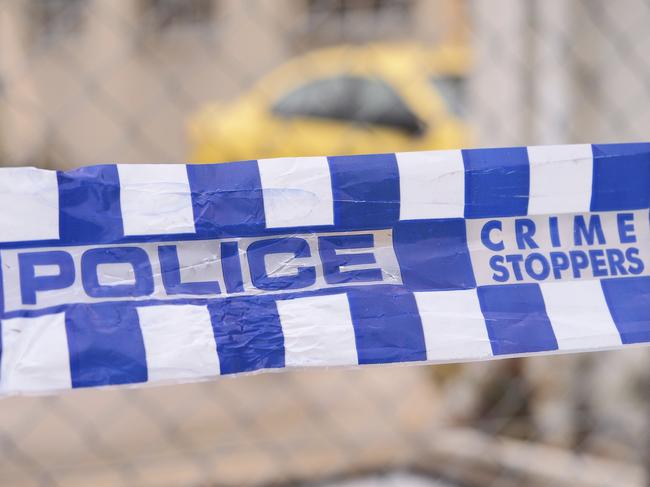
{"points": [[297, 191], [432, 184], [579, 315], [318, 331], [35, 354], [560, 178], [29, 203], [179, 342], [155, 199], [453, 324]]}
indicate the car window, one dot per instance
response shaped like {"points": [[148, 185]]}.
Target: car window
{"points": [[378, 104], [352, 98], [452, 90], [323, 98]]}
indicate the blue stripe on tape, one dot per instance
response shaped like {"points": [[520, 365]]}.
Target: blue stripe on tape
{"points": [[497, 182], [227, 199], [1, 350], [516, 319], [628, 300], [2, 293], [248, 334], [365, 191], [433, 254], [105, 341], [387, 325], [106, 345], [621, 177], [89, 205]]}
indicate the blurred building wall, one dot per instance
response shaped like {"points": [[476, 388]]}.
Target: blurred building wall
{"points": [[90, 81], [552, 71]]}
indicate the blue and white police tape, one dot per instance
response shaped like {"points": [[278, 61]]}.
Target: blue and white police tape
{"points": [[121, 274]]}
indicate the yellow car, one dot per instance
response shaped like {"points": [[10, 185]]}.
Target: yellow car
{"points": [[342, 100]]}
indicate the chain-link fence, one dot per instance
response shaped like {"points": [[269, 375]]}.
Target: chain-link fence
{"points": [[90, 81]]}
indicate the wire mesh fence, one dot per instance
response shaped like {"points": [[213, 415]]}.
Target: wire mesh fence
{"points": [[95, 81]]}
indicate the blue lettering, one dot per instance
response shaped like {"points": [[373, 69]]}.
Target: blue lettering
{"points": [[231, 266], [530, 269], [632, 254], [598, 263], [136, 257], [579, 261], [516, 260], [524, 231], [589, 233], [30, 283], [559, 263], [170, 270], [298, 247], [332, 261], [485, 235], [555, 232], [501, 273], [625, 228], [615, 259]]}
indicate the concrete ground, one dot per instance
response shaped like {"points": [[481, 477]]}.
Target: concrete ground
{"points": [[231, 431]]}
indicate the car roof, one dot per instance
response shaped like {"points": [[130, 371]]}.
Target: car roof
{"points": [[401, 59], [448, 59]]}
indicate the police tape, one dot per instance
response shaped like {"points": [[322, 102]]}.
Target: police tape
{"points": [[122, 274]]}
